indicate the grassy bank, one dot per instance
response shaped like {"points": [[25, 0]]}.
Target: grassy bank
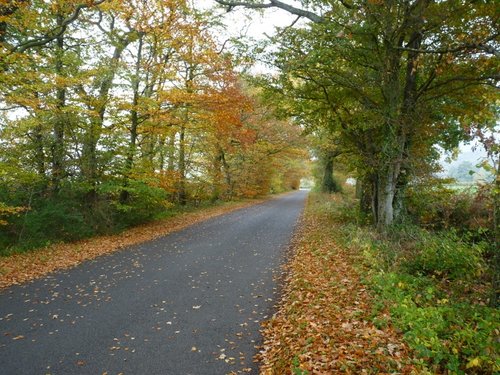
{"points": [[324, 322], [437, 288]]}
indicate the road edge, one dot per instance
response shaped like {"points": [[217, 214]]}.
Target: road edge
{"points": [[21, 268]]}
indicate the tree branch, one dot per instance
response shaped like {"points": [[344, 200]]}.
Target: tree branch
{"points": [[41, 41], [469, 46], [273, 4]]}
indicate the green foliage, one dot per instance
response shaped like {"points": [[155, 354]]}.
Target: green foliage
{"points": [[458, 337], [441, 254], [68, 216], [47, 221], [330, 184], [434, 203], [53, 221], [445, 332], [143, 202], [372, 78], [434, 284], [99, 132], [296, 369]]}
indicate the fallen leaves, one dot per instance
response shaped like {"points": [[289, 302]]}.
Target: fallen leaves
{"points": [[20, 268], [323, 324]]}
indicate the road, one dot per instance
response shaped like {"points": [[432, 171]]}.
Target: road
{"points": [[187, 303]]}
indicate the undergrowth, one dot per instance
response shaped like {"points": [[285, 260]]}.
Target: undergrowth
{"points": [[68, 216], [435, 284]]}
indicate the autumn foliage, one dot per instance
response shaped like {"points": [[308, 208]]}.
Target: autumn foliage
{"points": [[115, 111]]}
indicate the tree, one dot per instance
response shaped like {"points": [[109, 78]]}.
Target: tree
{"points": [[399, 77], [112, 111]]}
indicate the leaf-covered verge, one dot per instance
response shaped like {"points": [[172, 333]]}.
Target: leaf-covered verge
{"points": [[21, 267], [356, 301], [324, 324], [432, 287]]}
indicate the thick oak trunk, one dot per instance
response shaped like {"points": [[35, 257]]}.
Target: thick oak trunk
{"points": [[328, 183]]}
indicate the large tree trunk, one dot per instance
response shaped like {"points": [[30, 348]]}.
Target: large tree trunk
{"points": [[364, 193], [387, 171], [386, 191], [328, 183], [408, 118]]}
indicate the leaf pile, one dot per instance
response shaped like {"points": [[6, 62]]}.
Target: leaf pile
{"points": [[19, 268], [323, 324]]}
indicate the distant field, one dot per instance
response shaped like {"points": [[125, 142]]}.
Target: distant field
{"points": [[463, 186]]}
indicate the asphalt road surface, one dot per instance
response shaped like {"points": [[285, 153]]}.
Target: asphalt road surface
{"points": [[187, 303]]}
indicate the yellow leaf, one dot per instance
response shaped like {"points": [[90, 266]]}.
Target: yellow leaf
{"points": [[475, 362]]}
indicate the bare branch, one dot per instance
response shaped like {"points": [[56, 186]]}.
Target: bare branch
{"points": [[273, 4], [347, 5]]}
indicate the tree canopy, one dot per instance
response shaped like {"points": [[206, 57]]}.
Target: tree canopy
{"points": [[113, 110], [390, 80]]}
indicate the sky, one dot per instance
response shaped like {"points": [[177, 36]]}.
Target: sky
{"points": [[473, 152]]}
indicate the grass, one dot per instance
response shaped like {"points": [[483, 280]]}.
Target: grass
{"points": [[323, 323]]}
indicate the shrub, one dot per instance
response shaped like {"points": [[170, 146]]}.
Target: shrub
{"points": [[444, 255], [143, 202], [47, 221], [434, 204], [457, 337], [69, 215]]}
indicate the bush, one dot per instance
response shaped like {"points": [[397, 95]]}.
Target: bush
{"points": [[435, 205], [143, 203], [47, 221], [457, 337], [444, 255], [418, 275], [71, 215]]}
